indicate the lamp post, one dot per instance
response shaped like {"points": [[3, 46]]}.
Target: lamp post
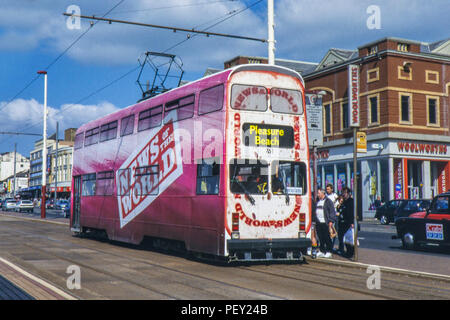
{"points": [[44, 148]]}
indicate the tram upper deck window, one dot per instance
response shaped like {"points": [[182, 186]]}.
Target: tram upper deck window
{"points": [[288, 177], [249, 176], [127, 125], [108, 131], [150, 118], [79, 141], [210, 100], [251, 98], [286, 101], [179, 109], [91, 136]]}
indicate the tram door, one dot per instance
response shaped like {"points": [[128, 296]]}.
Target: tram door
{"points": [[76, 204]]}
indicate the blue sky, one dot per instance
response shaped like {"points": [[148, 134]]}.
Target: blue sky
{"points": [[33, 33]]}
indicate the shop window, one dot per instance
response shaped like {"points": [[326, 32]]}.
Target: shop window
{"points": [[208, 175]]}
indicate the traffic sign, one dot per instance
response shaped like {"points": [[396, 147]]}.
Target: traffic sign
{"points": [[361, 142]]}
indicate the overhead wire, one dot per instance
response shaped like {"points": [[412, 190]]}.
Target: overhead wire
{"points": [[228, 16]]}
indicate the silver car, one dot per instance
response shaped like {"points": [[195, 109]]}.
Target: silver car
{"points": [[24, 205], [9, 205]]}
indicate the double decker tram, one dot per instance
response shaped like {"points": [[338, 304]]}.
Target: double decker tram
{"points": [[219, 166]]}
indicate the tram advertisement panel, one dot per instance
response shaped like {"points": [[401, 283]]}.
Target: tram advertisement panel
{"points": [[147, 172]]}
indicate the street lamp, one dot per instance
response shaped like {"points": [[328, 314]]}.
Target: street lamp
{"points": [[44, 148]]}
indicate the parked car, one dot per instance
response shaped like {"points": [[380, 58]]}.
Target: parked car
{"points": [[9, 205], [24, 205], [50, 204], [394, 209], [61, 204], [427, 227], [3, 201]]}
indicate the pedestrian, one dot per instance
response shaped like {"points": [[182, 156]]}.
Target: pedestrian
{"points": [[346, 221], [333, 197], [325, 217]]}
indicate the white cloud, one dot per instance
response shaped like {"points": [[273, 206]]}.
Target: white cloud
{"points": [[27, 115]]}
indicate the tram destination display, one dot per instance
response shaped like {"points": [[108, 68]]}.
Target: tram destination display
{"points": [[268, 136]]}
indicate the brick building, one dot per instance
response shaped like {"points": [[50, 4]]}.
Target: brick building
{"points": [[404, 110], [404, 91]]}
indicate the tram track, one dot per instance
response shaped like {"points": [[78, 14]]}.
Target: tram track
{"points": [[191, 271]]}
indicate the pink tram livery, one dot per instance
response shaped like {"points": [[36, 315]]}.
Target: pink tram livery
{"points": [[219, 166]]}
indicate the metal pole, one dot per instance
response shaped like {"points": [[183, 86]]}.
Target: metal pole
{"points": [[271, 32], [315, 171], [56, 161], [355, 193], [15, 159], [44, 148]]}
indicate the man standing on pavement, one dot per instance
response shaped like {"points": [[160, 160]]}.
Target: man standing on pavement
{"points": [[333, 197], [325, 217], [346, 221]]}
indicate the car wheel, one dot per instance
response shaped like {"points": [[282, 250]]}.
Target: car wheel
{"points": [[384, 220], [408, 241]]}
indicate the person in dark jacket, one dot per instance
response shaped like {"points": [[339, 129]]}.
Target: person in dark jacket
{"points": [[325, 216], [346, 221]]}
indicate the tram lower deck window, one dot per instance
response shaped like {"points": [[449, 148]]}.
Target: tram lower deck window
{"points": [[208, 174], [249, 176], [288, 177]]}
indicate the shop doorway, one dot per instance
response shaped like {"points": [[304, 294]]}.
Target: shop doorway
{"points": [[415, 179]]}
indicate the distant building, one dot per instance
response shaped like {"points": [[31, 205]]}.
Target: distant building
{"points": [[7, 164], [59, 170]]}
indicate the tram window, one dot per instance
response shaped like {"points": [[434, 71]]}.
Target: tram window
{"points": [[179, 109], [108, 131], [150, 118], [79, 141], [210, 100], [208, 174], [249, 176], [105, 183], [88, 187], [91, 137], [127, 125], [286, 101], [146, 181], [123, 182], [288, 177], [245, 97]]}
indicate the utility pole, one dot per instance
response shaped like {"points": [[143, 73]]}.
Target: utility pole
{"points": [[44, 149], [56, 160], [15, 159], [271, 32]]}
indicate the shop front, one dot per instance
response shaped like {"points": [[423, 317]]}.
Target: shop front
{"points": [[396, 170]]}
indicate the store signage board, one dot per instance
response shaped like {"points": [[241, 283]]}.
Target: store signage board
{"points": [[314, 119], [353, 95], [361, 142]]}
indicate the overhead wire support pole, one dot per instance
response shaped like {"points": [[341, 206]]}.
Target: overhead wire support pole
{"points": [[165, 27], [271, 32]]}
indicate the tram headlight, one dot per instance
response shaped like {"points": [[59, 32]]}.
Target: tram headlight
{"points": [[235, 235]]}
